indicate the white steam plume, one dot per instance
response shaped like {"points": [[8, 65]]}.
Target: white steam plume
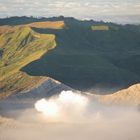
{"points": [[73, 116], [65, 107]]}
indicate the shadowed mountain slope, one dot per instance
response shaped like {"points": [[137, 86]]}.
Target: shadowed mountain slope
{"points": [[86, 58]]}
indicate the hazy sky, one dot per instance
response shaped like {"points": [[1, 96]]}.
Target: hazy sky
{"points": [[98, 9]]}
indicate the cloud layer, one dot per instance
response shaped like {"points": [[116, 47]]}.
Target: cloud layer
{"points": [[72, 116], [79, 8]]}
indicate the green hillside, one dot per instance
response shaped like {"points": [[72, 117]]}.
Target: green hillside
{"points": [[18, 48], [83, 58]]}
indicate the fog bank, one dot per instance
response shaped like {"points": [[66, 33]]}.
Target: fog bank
{"points": [[73, 116]]}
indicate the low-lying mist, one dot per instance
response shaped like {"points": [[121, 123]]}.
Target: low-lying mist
{"points": [[73, 116]]}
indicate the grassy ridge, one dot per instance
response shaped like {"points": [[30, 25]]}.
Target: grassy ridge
{"points": [[18, 48], [48, 24]]}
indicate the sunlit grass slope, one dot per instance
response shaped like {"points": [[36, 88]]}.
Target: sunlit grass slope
{"points": [[100, 28], [48, 24], [17, 49], [4, 29]]}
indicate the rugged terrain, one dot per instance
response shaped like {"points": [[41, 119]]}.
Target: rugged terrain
{"points": [[107, 57], [19, 46], [79, 54]]}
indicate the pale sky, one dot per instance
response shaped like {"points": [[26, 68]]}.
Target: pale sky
{"points": [[110, 10]]}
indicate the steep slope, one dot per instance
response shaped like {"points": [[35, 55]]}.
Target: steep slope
{"points": [[83, 58], [21, 47], [18, 48], [87, 59], [129, 96]]}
